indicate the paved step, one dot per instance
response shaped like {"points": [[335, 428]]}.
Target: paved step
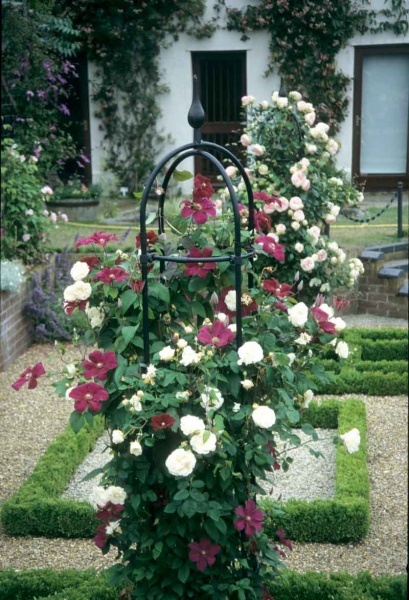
{"points": [[404, 290]]}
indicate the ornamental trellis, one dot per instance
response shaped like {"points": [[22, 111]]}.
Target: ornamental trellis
{"points": [[201, 148]]}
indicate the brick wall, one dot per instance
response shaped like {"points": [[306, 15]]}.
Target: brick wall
{"points": [[378, 296], [15, 330]]}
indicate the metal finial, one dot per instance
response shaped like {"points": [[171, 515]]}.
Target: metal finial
{"points": [[282, 93], [196, 114]]}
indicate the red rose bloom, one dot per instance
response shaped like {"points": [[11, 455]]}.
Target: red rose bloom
{"points": [[163, 421], [99, 364], [88, 395], [30, 375]]}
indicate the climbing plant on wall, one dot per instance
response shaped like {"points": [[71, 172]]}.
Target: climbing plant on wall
{"points": [[124, 39]]}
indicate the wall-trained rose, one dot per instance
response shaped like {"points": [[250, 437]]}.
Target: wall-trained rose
{"points": [[181, 463], [167, 353], [264, 417], [80, 290], [191, 425], [298, 314], [250, 353], [342, 349], [352, 440], [79, 270], [135, 448], [203, 442], [117, 436]]}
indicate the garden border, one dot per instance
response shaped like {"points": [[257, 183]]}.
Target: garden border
{"points": [[37, 508]]}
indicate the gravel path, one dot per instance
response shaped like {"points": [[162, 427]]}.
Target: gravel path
{"points": [[29, 421]]}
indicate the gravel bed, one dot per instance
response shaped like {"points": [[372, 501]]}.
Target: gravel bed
{"points": [[30, 420]]}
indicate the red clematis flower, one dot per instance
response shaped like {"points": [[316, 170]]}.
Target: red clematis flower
{"points": [[250, 518], [137, 286], [99, 364], [163, 421], [281, 290], [30, 375], [100, 238], [69, 307], [110, 512], [202, 187], [88, 395], [216, 334], [151, 238], [321, 318], [200, 209], [101, 537], [262, 221], [91, 261], [283, 540], [203, 553], [280, 306], [200, 269], [248, 304], [110, 274], [271, 246], [340, 303]]}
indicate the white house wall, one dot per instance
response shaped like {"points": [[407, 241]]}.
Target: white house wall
{"points": [[176, 71]]}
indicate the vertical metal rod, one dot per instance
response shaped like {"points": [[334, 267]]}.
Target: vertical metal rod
{"points": [[400, 209]]}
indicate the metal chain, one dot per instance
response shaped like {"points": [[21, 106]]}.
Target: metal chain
{"points": [[385, 208]]}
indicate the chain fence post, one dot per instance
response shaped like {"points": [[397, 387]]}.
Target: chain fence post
{"points": [[400, 209]]}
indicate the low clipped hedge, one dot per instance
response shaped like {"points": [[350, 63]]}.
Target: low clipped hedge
{"points": [[346, 517], [37, 508], [372, 383], [45, 584]]}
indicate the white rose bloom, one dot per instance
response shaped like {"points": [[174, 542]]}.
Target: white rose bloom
{"points": [[263, 169], [233, 328], [188, 329], [180, 462], [231, 171], [135, 448], [236, 407], [182, 395], [112, 527], [264, 417], [311, 148], [77, 291], [333, 246], [342, 349], [167, 353], [296, 203], [264, 104], [98, 497], [282, 102], [189, 357], [307, 397], [314, 232], [258, 150], [79, 270], [211, 399], [247, 384], [338, 323], [250, 353], [299, 215], [327, 309], [203, 447], [95, 315], [101, 496], [352, 440], [116, 494], [295, 225], [299, 247], [325, 287], [135, 403], [191, 425], [280, 229], [181, 344], [230, 300], [295, 96], [303, 339], [70, 369], [298, 314], [223, 318], [117, 436]]}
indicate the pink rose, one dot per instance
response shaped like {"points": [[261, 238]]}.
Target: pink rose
{"points": [[245, 140], [307, 264], [310, 118], [306, 185], [258, 150], [298, 178], [296, 203]]}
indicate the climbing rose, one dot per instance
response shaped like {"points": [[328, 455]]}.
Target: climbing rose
{"points": [[351, 440], [250, 518], [77, 292], [79, 270], [191, 424], [203, 553], [30, 375], [99, 363], [298, 314], [203, 442], [264, 417], [180, 462], [250, 353]]}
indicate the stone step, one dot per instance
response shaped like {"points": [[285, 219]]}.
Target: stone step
{"points": [[395, 251], [398, 263], [392, 272], [404, 290]]}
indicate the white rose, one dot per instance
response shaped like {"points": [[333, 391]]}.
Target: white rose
{"points": [[263, 169], [230, 300], [70, 369], [223, 318], [181, 344], [351, 440], [250, 353], [296, 203], [342, 350], [189, 357], [298, 178], [258, 150], [245, 140], [311, 148], [299, 247], [201, 446], [327, 309], [190, 425], [310, 118], [264, 417], [303, 339], [167, 353], [307, 264], [295, 225], [117, 436], [307, 397], [299, 215], [135, 403], [283, 205], [98, 497], [295, 96], [112, 527], [180, 462], [332, 147], [321, 255], [135, 448], [247, 384], [338, 323], [231, 171], [264, 104], [79, 270], [298, 314], [282, 102], [95, 315], [77, 291], [211, 399], [280, 229]]}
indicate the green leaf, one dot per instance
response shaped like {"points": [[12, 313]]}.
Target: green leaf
{"points": [[182, 175], [92, 474], [181, 495], [127, 299], [128, 333], [157, 550], [77, 421], [198, 309], [196, 284], [158, 290]]}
